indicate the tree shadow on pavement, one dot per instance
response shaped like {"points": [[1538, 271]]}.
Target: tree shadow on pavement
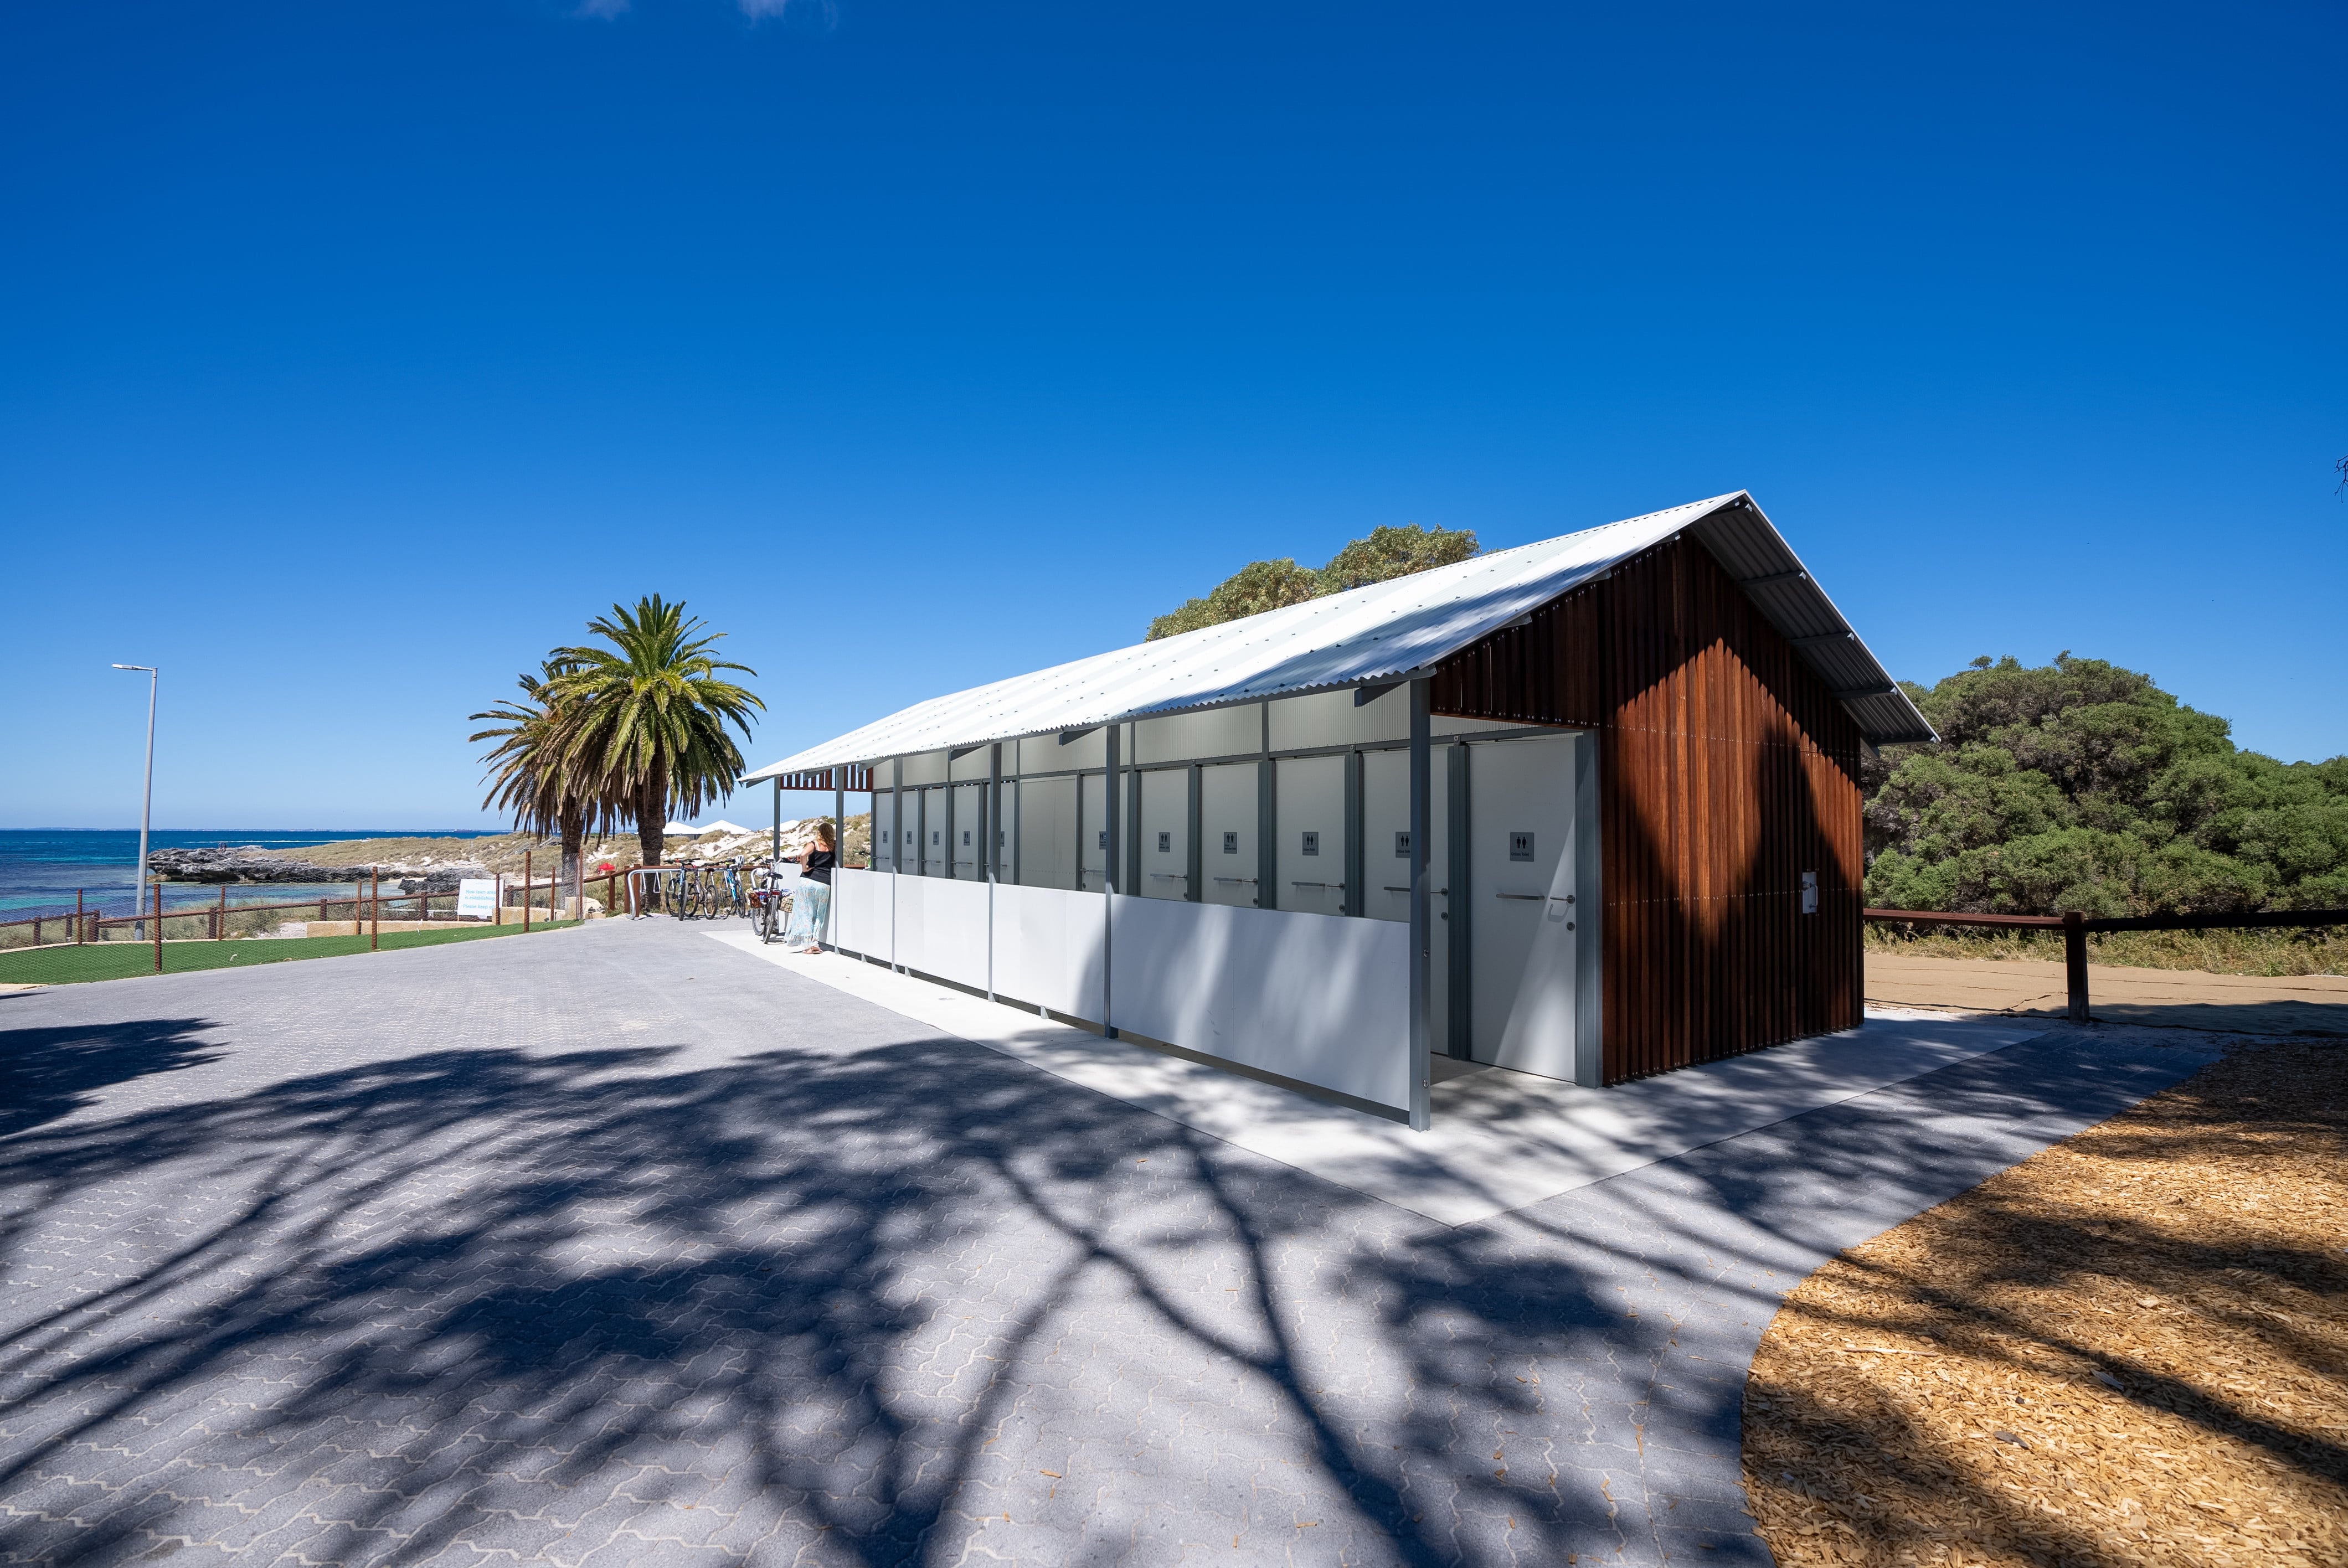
{"points": [[884, 1304], [45, 1073]]}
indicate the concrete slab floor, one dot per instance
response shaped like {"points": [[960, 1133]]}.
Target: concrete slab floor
{"points": [[1499, 1141]]}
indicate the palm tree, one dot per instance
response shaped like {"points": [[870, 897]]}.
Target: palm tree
{"points": [[647, 717], [532, 775]]}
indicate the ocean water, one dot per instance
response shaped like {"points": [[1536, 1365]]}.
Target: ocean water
{"points": [[41, 870]]}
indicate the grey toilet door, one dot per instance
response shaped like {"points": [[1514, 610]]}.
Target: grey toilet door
{"points": [[1521, 852]]}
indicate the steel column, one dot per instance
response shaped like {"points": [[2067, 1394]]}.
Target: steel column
{"points": [[1422, 783]]}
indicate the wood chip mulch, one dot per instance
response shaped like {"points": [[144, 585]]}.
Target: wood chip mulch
{"points": [[2131, 1348]]}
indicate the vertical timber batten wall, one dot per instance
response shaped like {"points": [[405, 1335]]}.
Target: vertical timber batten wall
{"points": [[1728, 768]]}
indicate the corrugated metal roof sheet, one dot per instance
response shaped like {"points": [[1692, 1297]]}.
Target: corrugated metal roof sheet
{"points": [[1385, 631]]}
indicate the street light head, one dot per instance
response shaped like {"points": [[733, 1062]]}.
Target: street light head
{"points": [[149, 669]]}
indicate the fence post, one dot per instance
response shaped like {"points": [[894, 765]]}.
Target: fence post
{"points": [[2074, 963], [220, 920], [375, 908], [78, 916], [525, 890], [159, 925]]}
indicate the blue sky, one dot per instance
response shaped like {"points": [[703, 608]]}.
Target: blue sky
{"points": [[352, 354]]}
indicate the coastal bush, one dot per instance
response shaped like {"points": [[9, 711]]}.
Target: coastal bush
{"points": [[2081, 786], [1260, 586]]}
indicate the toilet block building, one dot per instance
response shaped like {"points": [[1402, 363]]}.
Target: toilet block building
{"points": [[1588, 808]]}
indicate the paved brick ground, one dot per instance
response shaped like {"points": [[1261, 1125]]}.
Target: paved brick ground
{"points": [[616, 1246]]}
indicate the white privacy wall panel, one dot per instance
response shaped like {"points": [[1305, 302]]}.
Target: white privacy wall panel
{"points": [[1319, 998], [942, 928], [1047, 949], [861, 904]]}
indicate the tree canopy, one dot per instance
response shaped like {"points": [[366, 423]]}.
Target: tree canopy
{"points": [[1258, 585], [2082, 785]]}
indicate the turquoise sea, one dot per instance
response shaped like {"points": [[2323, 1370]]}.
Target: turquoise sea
{"points": [[41, 870]]}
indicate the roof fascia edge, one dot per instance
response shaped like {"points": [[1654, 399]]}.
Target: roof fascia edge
{"points": [[1743, 499]]}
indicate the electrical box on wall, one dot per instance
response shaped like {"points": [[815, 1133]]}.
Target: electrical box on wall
{"points": [[1810, 892]]}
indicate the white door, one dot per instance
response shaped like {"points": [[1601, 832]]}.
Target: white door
{"points": [[1310, 810], [1526, 926], [1385, 865], [885, 830], [1227, 825], [933, 831], [1047, 833], [968, 850], [1165, 834]]}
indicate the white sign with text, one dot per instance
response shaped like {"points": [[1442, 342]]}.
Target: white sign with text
{"points": [[477, 898]]}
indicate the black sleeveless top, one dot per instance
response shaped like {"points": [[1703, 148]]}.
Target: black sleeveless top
{"points": [[818, 866]]}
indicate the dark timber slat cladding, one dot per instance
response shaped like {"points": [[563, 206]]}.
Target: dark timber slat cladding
{"points": [[1727, 769]]}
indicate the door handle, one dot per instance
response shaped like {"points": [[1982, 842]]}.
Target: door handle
{"points": [[1244, 881], [1316, 885], [1538, 898]]}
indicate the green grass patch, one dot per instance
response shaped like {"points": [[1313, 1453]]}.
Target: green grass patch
{"points": [[122, 961]]}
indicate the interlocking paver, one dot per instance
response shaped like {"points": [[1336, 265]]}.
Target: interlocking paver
{"points": [[615, 1247]]}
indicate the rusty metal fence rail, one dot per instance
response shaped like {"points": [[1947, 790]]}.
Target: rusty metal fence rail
{"points": [[2076, 929]]}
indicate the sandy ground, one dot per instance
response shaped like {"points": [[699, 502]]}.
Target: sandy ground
{"points": [[2129, 1349], [2180, 998]]}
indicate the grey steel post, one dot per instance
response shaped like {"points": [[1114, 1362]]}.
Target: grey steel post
{"points": [[775, 851], [896, 846], [1459, 909], [147, 801], [1353, 901], [838, 851], [991, 830], [1267, 823], [1195, 872], [1422, 783], [1109, 867]]}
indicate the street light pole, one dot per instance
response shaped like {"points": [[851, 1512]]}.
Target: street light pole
{"points": [[147, 803]]}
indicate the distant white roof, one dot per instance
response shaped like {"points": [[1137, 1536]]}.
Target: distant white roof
{"points": [[722, 826], [1386, 632]]}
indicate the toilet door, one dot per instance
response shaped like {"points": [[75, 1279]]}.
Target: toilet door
{"points": [[1520, 822], [1165, 834], [1228, 806], [966, 855], [933, 832]]}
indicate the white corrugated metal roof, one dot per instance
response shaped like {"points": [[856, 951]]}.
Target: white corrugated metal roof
{"points": [[1379, 633]]}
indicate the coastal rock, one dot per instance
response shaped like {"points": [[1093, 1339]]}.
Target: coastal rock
{"points": [[442, 878], [249, 863]]}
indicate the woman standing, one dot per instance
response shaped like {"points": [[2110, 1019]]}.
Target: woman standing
{"points": [[811, 902]]}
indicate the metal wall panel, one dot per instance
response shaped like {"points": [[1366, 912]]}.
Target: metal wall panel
{"points": [[1215, 733], [1334, 719]]}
